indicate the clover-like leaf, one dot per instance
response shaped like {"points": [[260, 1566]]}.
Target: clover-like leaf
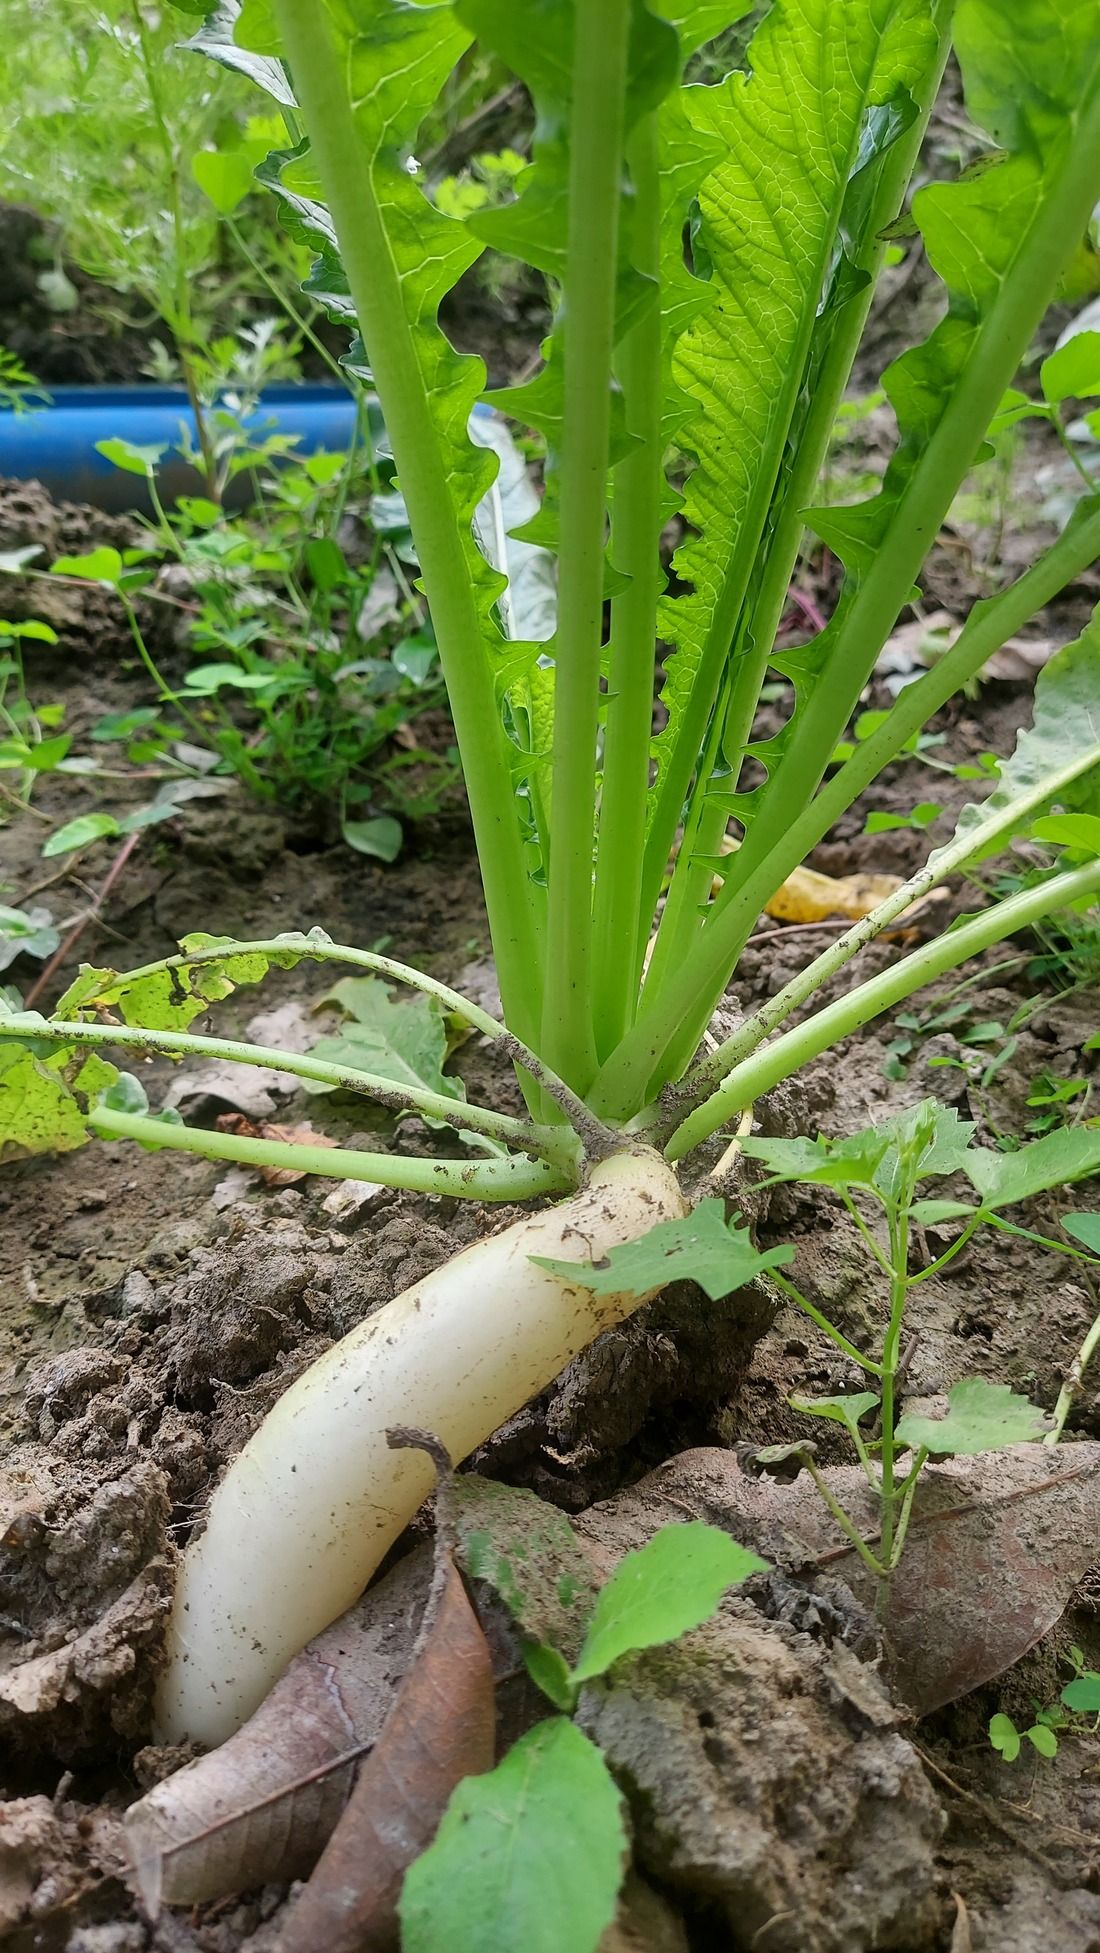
{"points": [[1082, 1695], [1005, 1737]]}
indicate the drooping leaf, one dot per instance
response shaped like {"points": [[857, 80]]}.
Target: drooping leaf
{"points": [[79, 833], [1067, 1154], [1056, 759], [1084, 1228], [848, 1411], [663, 1590], [529, 1856], [703, 1248], [26, 932], [980, 1416]]}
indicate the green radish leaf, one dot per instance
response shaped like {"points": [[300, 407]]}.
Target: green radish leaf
{"points": [[133, 460], [848, 1411], [44, 1100], [1005, 1737], [980, 1416], [1026, 90], [1056, 758], [704, 1248], [1073, 372], [401, 59], [669, 1586], [1084, 1228], [405, 1041], [79, 833], [530, 1855], [254, 55], [1002, 1179], [818, 74], [1042, 1739], [533, 227], [1082, 1695]]}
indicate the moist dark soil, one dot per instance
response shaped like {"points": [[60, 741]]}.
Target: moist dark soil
{"points": [[153, 1307]]}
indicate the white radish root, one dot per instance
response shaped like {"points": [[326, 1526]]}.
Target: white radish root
{"points": [[316, 1498]]}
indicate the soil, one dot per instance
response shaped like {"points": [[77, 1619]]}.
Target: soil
{"points": [[153, 1307]]}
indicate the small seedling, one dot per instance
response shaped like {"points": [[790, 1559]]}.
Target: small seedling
{"points": [[534, 1851], [1076, 1712], [885, 1166]]}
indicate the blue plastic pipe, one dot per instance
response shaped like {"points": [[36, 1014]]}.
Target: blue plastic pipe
{"points": [[56, 444]]}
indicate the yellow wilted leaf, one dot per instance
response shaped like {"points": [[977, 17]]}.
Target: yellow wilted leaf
{"points": [[807, 896]]}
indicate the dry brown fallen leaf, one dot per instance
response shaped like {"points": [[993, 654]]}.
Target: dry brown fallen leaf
{"points": [[441, 1728], [274, 1176], [996, 1546], [263, 1805], [922, 640], [809, 896]]}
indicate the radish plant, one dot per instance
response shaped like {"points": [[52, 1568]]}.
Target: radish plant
{"points": [[713, 251]]}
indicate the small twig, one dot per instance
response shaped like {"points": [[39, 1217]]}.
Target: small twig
{"points": [[988, 1810], [962, 1511], [720, 1169], [906, 1358], [48, 881], [62, 954], [800, 928], [407, 1437], [808, 608]]}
